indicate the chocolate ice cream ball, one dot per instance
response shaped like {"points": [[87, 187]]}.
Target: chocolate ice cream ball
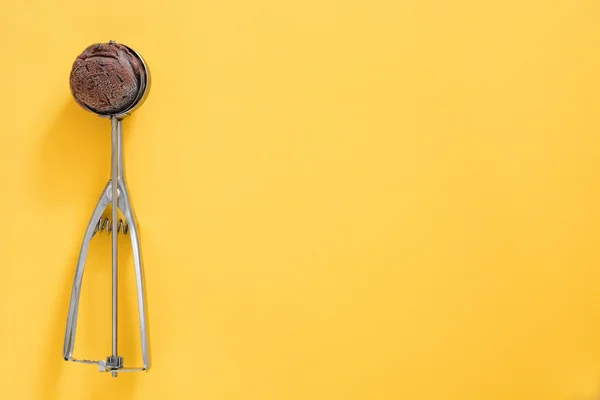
{"points": [[107, 78]]}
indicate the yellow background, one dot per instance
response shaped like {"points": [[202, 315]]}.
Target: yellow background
{"points": [[337, 200]]}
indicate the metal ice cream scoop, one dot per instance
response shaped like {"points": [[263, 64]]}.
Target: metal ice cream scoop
{"points": [[92, 82]]}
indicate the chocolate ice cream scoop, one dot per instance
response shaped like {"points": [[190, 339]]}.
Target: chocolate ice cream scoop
{"points": [[107, 78]]}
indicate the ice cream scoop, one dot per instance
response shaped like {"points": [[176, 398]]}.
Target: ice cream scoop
{"points": [[111, 80], [108, 78]]}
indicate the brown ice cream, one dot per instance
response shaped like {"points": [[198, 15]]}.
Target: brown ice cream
{"points": [[107, 78]]}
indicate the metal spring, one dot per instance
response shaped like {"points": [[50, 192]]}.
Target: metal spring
{"points": [[105, 224]]}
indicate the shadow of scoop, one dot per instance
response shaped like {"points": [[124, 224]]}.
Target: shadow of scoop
{"points": [[74, 157]]}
